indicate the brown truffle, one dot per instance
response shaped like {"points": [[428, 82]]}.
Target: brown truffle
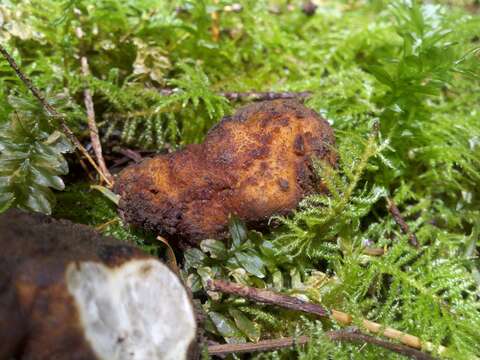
{"points": [[254, 164], [68, 293]]}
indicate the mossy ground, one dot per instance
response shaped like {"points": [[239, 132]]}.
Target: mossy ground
{"points": [[398, 80]]}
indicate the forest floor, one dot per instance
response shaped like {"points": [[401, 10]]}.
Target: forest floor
{"points": [[396, 240]]}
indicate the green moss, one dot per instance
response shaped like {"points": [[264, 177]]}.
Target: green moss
{"points": [[81, 204], [410, 67]]}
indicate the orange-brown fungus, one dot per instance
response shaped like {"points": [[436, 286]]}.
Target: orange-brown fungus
{"points": [[253, 164]]}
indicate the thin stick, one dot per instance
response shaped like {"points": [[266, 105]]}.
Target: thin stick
{"points": [[374, 251], [397, 216], [354, 336], [131, 154], [267, 297], [92, 125], [264, 345], [253, 95], [50, 110], [292, 303], [171, 258], [105, 224]]}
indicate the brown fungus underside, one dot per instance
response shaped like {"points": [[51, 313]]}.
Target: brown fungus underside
{"points": [[254, 164], [68, 293]]}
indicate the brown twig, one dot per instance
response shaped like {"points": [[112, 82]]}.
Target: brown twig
{"points": [[309, 8], [171, 258], [253, 95], [292, 303], [397, 216], [267, 297], [51, 111], [374, 251], [131, 154], [264, 345], [92, 125], [350, 335], [261, 96]]}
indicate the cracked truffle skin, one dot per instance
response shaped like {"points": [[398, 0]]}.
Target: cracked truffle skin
{"points": [[53, 302], [254, 164]]}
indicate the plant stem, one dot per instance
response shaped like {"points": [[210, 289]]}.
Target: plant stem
{"points": [[51, 111], [267, 297], [253, 95], [374, 251], [264, 345], [350, 335], [397, 216], [292, 303], [92, 125], [171, 258]]}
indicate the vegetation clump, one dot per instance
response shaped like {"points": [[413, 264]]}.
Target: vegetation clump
{"points": [[397, 80]]}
